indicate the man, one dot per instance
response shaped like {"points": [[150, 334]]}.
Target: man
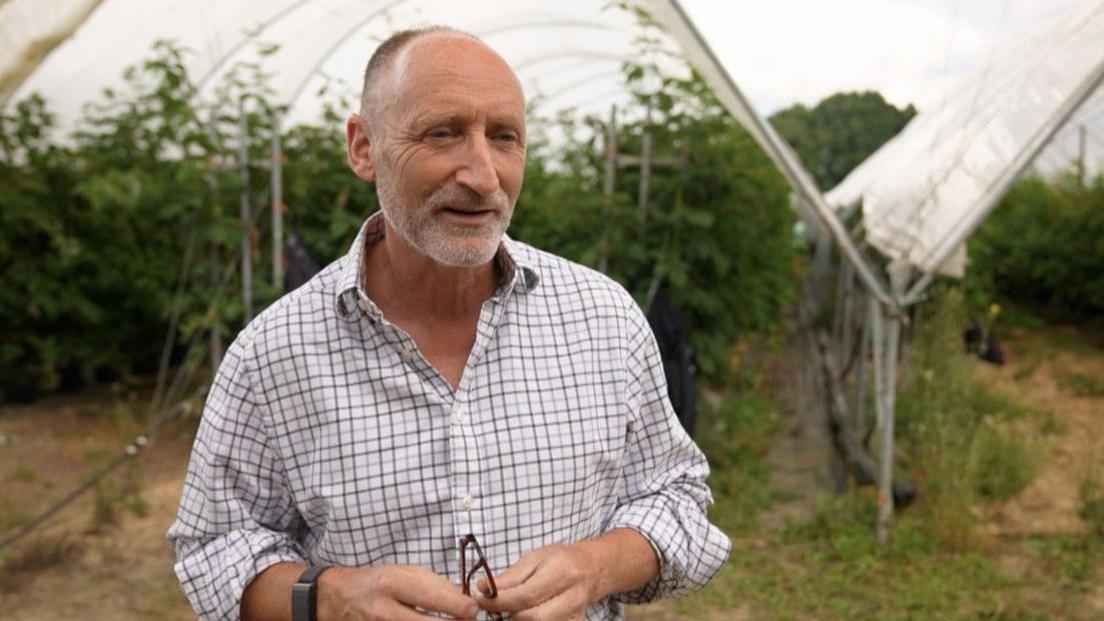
{"points": [[442, 380]]}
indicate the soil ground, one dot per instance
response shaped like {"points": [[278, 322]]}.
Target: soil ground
{"points": [[105, 556]]}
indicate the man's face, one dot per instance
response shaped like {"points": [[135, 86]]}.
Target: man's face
{"points": [[447, 145]]}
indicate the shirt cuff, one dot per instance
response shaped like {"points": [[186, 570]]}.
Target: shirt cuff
{"points": [[690, 549], [215, 576]]}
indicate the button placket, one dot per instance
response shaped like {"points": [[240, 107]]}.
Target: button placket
{"points": [[465, 459]]}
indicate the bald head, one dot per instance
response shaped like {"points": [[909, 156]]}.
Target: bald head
{"points": [[388, 64]]}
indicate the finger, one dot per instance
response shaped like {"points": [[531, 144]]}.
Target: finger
{"points": [[421, 588], [563, 608], [393, 610], [542, 585], [517, 573]]}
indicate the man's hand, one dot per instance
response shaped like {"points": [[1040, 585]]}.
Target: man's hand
{"points": [[389, 592], [554, 582], [392, 592], [559, 581]]}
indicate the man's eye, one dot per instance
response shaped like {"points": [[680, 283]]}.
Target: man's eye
{"points": [[508, 137], [439, 134]]}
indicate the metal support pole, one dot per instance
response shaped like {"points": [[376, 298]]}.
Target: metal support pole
{"points": [[885, 443], [214, 339], [790, 166], [608, 186], [246, 215], [885, 489], [861, 372], [847, 347], [645, 178], [899, 274], [277, 178], [1081, 146]]}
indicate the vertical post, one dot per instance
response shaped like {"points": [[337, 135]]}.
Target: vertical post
{"points": [[1083, 136], [608, 186], [847, 333], [840, 317], [245, 214], [860, 371], [214, 340], [277, 178], [899, 275], [645, 172], [877, 337], [885, 443]]}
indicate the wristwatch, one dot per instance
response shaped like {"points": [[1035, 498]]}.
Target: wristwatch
{"points": [[304, 594]]}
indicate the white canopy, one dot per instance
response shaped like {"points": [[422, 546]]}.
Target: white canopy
{"points": [[922, 192], [927, 189], [568, 54]]}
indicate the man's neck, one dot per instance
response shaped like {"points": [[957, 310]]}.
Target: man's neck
{"points": [[406, 284]]}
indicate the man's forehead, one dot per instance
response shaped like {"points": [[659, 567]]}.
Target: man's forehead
{"points": [[450, 55]]}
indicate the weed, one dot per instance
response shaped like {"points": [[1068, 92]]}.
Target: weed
{"points": [[10, 521], [36, 556], [1092, 504], [1082, 385], [25, 474], [1004, 463], [1074, 558], [735, 437], [1027, 370]]}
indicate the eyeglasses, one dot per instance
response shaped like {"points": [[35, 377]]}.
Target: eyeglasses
{"points": [[466, 576]]}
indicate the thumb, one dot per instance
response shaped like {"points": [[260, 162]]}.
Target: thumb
{"points": [[517, 574]]}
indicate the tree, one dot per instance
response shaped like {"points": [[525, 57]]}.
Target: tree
{"points": [[840, 132]]}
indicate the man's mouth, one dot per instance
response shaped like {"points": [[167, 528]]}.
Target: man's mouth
{"points": [[468, 214]]}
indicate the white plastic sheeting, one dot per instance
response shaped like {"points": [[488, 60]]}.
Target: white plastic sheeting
{"points": [[926, 188], [568, 54], [30, 30]]}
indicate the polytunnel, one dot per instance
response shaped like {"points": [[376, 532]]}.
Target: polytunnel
{"points": [[922, 194]]}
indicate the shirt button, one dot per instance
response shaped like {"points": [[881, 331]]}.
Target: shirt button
{"points": [[458, 413], [364, 304], [467, 502], [407, 354]]}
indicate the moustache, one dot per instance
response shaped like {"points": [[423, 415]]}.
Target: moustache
{"points": [[467, 199]]}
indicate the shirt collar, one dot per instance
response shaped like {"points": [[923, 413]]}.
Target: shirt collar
{"points": [[351, 300]]}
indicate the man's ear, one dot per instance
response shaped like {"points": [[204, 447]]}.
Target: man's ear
{"points": [[358, 147]]}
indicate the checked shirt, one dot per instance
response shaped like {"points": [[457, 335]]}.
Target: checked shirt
{"points": [[327, 438]]}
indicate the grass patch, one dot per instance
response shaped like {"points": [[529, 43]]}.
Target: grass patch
{"points": [[1004, 463], [1081, 384], [1092, 505], [26, 474], [11, 521], [963, 440], [832, 568], [1074, 560], [36, 556], [735, 437]]}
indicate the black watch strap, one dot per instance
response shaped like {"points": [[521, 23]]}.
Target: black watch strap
{"points": [[304, 594]]}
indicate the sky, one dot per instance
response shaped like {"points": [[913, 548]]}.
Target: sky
{"points": [[912, 51]]}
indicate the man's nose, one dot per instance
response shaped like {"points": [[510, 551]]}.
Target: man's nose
{"points": [[478, 171]]}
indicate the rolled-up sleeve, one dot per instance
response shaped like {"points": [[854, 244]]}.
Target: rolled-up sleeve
{"points": [[663, 492], [235, 511]]}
